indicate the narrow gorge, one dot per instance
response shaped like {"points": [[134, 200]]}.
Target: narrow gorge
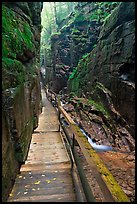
{"points": [[82, 53]]}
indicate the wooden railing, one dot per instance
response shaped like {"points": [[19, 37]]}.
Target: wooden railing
{"points": [[110, 188]]}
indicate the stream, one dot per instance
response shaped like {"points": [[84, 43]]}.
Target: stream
{"points": [[97, 147]]}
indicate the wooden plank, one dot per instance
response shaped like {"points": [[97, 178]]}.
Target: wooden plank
{"points": [[67, 117], [45, 166], [70, 197], [46, 174]]}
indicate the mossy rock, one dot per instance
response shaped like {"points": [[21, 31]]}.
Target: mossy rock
{"points": [[13, 73], [16, 34], [116, 18], [99, 106]]}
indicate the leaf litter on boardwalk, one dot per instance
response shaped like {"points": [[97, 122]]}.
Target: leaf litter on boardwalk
{"points": [[37, 182]]}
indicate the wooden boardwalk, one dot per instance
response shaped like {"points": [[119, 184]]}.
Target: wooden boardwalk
{"points": [[46, 175]]}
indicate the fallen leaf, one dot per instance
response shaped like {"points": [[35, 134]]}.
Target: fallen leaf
{"points": [[38, 182], [20, 176], [11, 194], [48, 181], [33, 189], [54, 179]]}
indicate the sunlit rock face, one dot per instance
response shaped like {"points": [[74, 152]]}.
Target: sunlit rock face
{"points": [[107, 74], [20, 84]]}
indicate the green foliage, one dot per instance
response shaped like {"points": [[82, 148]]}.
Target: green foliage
{"points": [[75, 31], [75, 85], [72, 95], [103, 9], [85, 55], [54, 16], [73, 74], [94, 45], [76, 78], [94, 16]]}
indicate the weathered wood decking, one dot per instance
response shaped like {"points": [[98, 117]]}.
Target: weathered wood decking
{"points": [[45, 176]]}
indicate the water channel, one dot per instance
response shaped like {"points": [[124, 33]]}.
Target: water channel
{"points": [[95, 146]]}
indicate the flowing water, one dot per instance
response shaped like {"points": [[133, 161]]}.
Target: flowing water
{"points": [[97, 147]]}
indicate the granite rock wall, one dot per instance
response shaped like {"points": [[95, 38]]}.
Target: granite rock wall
{"points": [[21, 97]]}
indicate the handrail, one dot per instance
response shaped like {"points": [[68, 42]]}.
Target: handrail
{"points": [[109, 186], [68, 118], [87, 190]]}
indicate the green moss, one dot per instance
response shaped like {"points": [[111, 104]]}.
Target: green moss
{"points": [[94, 16], [13, 73], [73, 74], [94, 45], [75, 85], [99, 107], [12, 65], [75, 31], [85, 56], [76, 81], [16, 34], [16, 38], [92, 157], [79, 17]]}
